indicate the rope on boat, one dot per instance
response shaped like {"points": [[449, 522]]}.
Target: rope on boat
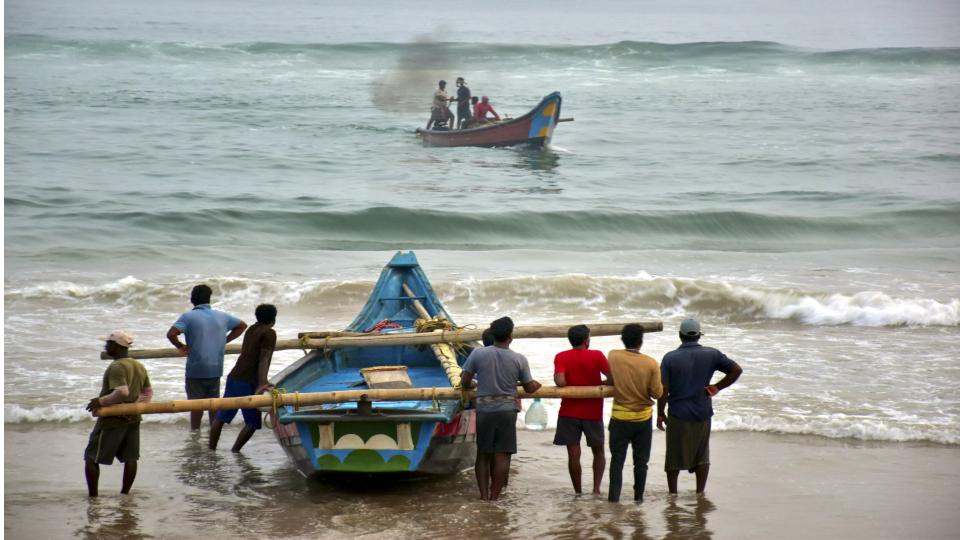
{"points": [[445, 352], [276, 395]]}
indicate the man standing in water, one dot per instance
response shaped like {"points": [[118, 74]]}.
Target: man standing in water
{"points": [[125, 381], [463, 104], [686, 374], [497, 370], [581, 366], [249, 376], [636, 383], [207, 331]]}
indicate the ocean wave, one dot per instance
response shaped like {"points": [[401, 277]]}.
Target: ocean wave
{"points": [[537, 297], [17, 414], [865, 429], [384, 227], [737, 55]]}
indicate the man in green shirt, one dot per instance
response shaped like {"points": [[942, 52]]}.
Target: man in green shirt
{"points": [[125, 381]]}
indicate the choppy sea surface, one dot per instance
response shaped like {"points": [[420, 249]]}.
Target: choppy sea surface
{"points": [[796, 190]]}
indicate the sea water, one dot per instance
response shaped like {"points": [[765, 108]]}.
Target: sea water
{"points": [[794, 186]]}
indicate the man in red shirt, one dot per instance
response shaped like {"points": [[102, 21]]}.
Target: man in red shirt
{"points": [[581, 366], [481, 110]]}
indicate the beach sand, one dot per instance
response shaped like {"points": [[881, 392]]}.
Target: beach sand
{"points": [[761, 486]]}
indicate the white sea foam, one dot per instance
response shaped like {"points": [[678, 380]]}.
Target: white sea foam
{"points": [[16, 414], [838, 427], [537, 296]]}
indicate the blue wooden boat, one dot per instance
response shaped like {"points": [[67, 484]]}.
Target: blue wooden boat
{"points": [[418, 437]]}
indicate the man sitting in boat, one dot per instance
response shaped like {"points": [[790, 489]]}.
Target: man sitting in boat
{"points": [[481, 110], [440, 113]]}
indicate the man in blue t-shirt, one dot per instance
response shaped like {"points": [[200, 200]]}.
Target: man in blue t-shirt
{"points": [[207, 331], [498, 370], [686, 373]]}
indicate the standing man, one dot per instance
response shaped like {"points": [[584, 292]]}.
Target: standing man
{"points": [[249, 376], [463, 103], [636, 383], [581, 366], [497, 370], [686, 374], [207, 334], [439, 112], [125, 381]]}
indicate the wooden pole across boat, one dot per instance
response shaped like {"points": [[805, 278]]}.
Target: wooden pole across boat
{"points": [[460, 335], [319, 398], [444, 352]]}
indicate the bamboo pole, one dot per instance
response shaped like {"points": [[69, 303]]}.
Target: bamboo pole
{"points": [[462, 335], [444, 353], [318, 398]]}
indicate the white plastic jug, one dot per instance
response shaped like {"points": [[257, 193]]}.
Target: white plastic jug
{"points": [[536, 417]]}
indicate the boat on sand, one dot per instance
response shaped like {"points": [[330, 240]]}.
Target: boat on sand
{"points": [[431, 437]]}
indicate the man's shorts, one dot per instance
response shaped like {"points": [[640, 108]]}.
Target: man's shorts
{"points": [[497, 432], [234, 388], [203, 388], [115, 440], [569, 430], [688, 444]]}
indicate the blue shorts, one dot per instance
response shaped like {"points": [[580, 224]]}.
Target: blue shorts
{"points": [[234, 388]]}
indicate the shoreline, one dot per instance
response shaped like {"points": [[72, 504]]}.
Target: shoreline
{"points": [[761, 485]]}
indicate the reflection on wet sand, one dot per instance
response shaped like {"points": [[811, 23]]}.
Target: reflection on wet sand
{"points": [[112, 518], [688, 520]]}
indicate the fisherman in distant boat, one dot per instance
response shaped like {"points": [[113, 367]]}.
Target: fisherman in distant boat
{"points": [[481, 111], [471, 123], [125, 381], [463, 103], [440, 115], [249, 376], [497, 370]]}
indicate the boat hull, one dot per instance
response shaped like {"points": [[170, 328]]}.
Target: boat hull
{"points": [[383, 437], [380, 447], [532, 129]]}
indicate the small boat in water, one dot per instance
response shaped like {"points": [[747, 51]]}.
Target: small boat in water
{"points": [[421, 437], [534, 129]]}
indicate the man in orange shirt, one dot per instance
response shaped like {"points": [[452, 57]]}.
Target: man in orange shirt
{"points": [[581, 366], [636, 383]]}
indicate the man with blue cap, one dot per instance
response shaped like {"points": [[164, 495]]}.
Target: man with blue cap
{"points": [[686, 374]]}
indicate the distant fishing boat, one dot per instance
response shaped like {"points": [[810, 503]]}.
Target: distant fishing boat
{"points": [[432, 437], [534, 129]]}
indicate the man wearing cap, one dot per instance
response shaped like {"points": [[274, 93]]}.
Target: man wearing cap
{"points": [[125, 381], [463, 103], [439, 112], [686, 373], [207, 331]]}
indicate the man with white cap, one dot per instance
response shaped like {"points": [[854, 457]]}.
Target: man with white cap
{"points": [[125, 381], [686, 374]]}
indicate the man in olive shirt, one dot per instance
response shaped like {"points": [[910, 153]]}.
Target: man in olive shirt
{"points": [[249, 376], [125, 381], [636, 383]]}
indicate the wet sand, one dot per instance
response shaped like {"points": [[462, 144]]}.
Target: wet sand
{"points": [[761, 486]]}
